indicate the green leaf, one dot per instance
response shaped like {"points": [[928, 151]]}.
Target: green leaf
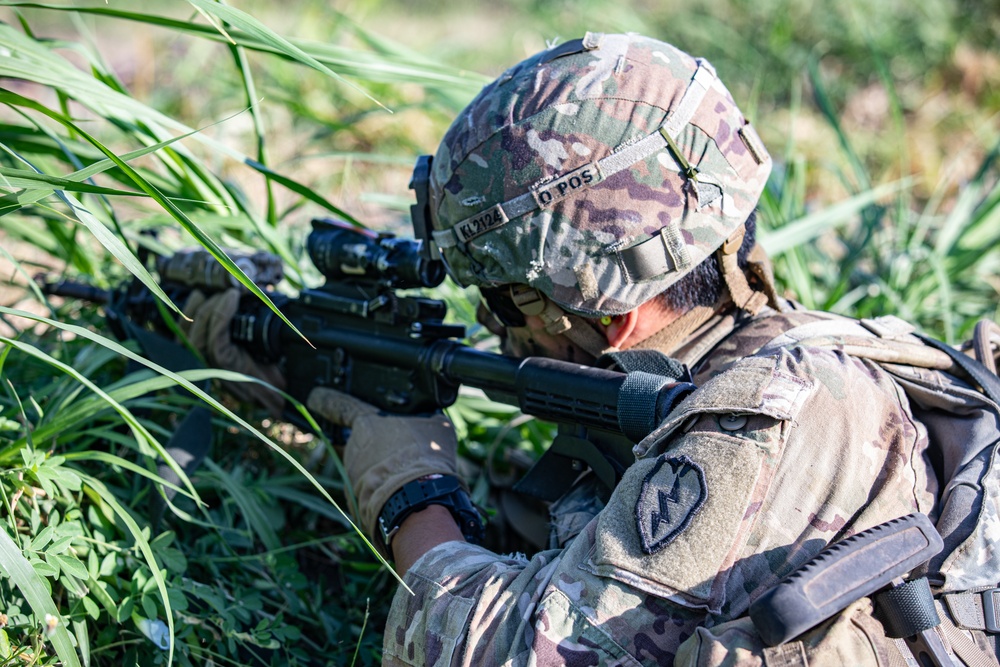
{"points": [[28, 581], [13, 201], [178, 601], [99, 590], [59, 546], [42, 539], [93, 564], [32, 180], [44, 569], [70, 565], [149, 606], [125, 610], [91, 608]]}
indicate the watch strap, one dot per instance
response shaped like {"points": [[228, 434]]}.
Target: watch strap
{"points": [[445, 490]]}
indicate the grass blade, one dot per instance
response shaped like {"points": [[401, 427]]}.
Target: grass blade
{"points": [[17, 567], [141, 433], [256, 29], [798, 232], [210, 400]]}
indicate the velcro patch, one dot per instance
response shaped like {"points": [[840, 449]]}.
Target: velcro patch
{"points": [[481, 223], [579, 179], [671, 495], [752, 141]]}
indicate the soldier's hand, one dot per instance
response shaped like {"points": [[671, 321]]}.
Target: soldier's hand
{"points": [[209, 333], [384, 452]]}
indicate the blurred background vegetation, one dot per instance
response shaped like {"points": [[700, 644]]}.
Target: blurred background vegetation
{"points": [[883, 119]]}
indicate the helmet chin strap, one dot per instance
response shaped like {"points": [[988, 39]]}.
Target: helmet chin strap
{"points": [[745, 297], [560, 323]]}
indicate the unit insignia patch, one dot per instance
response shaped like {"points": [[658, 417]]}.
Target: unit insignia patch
{"points": [[671, 495]]}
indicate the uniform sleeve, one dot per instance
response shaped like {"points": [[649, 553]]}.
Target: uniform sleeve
{"points": [[466, 602], [750, 477]]}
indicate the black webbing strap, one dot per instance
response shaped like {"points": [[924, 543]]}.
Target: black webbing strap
{"points": [[907, 610], [644, 399], [988, 382], [654, 385], [637, 402], [648, 361]]}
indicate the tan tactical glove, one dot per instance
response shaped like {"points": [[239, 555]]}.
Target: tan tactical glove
{"points": [[209, 333], [384, 452]]}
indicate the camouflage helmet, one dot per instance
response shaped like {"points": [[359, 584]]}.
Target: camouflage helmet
{"points": [[598, 172]]}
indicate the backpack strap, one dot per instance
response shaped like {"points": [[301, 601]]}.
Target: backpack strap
{"points": [[978, 609], [891, 342], [987, 381], [974, 612], [985, 342]]}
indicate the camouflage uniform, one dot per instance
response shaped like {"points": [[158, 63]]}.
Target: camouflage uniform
{"points": [[772, 458]]}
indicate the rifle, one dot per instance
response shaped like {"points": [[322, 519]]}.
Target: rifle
{"points": [[395, 350]]}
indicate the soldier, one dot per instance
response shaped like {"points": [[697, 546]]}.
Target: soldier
{"points": [[601, 195]]}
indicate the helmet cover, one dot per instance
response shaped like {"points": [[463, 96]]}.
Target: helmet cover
{"points": [[599, 172]]}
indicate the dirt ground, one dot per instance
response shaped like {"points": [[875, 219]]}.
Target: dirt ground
{"points": [[14, 291]]}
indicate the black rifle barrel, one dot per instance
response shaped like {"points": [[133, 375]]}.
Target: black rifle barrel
{"points": [[72, 289], [549, 389], [553, 390]]}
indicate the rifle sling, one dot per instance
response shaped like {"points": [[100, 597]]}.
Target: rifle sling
{"points": [[554, 473]]}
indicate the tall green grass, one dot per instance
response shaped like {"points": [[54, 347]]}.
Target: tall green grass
{"points": [[87, 172], [243, 134]]}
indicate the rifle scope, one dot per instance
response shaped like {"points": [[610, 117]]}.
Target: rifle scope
{"points": [[342, 252]]}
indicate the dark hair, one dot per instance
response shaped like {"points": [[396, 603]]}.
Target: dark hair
{"points": [[703, 285]]}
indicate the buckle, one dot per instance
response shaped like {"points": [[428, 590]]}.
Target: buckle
{"points": [[991, 605], [387, 533]]}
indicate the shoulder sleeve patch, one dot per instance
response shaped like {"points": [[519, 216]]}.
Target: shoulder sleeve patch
{"points": [[689, 517], [670, 496]]}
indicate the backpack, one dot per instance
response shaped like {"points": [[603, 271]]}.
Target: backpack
{"points": [[957, 398]]}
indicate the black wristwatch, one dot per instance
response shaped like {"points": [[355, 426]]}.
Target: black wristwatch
{"points": [[420, 494]]}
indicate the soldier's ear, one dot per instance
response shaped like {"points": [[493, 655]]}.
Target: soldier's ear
{"points": [[620, 328]]}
